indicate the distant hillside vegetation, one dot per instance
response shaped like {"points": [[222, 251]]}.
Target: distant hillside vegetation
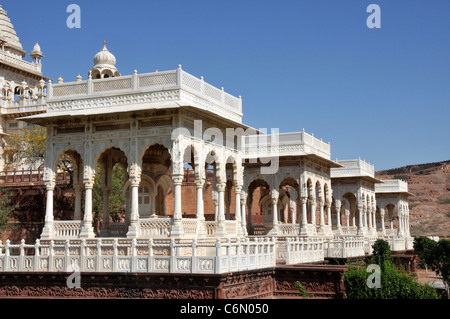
{"points": [[412, 168]]}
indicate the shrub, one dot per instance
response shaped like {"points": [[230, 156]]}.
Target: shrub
{"points": [[302, 290], [394, 284]]}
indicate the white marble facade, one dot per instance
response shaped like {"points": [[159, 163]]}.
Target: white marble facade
{"points": [[154, 124]]}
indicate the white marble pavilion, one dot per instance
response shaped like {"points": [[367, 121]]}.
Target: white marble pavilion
{"points": [[154, 125]]}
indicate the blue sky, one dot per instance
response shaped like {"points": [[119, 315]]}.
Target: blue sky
{"points": [[379, 94]]}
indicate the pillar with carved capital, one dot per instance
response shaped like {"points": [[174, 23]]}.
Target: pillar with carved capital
{"points": [[383, 230], [243, 219], [321, 213], [237, 203], [313, 210], [200, 213], [365, 216], [221, 231], [347, 217], [400, 222], [293, 207], [328, 205], [338, 217], [135, 180], [237, 208], [177, 225], [304, 220], [374, 219], [215, 200], [87, 230], [275, 195], [361, 229], [47, 232]]}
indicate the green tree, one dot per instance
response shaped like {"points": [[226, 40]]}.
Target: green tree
{"points": [[381, 252], [435, 255], [394, 283], [116, 198], [25, 147], [6, 210]]}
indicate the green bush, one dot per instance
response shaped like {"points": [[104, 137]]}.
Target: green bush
{"points": [[302, 290], [394, 284]]}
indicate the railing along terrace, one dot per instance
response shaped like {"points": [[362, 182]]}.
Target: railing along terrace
{"points": [[297, 250], [138, 255], [23, 106], [29, 176], [137, 84], [352, 168], [13, 60], [344, 247], [284, 144], [391, 186]]}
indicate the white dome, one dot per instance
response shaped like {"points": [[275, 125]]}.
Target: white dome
{"points": [[104, 57], [37, 48]]}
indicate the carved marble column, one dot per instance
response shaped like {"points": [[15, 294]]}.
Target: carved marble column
{"points": [[383, 230], [135, 180], [293, 207], [221, 230], [338, 217], [275, 195], [400, 220], [361, 228], [48, 231], [365, 208], [321, 212], [347, 217], [237, 203], [200, 213], [374, 220], [215, 200], [304, 220], [87, 230], [177, 225], [243, 219], [313, 210]]}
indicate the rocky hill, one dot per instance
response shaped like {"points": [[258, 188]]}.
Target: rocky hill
{"points": [[430, 207]]}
